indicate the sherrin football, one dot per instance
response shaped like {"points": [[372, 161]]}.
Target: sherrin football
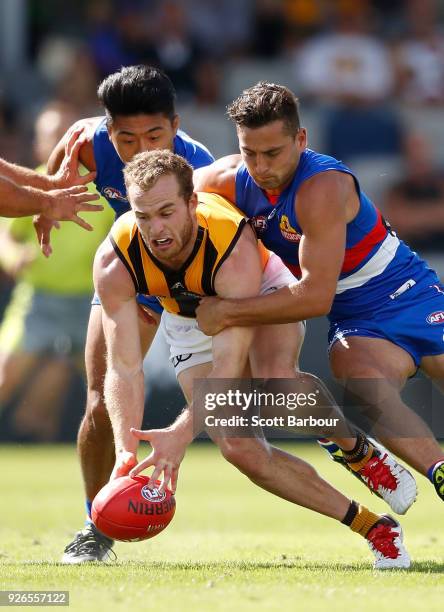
{"points": [[126, 509]]}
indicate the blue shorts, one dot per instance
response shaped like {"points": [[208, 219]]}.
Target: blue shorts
{"points": [[145, 300], [413, 320]]}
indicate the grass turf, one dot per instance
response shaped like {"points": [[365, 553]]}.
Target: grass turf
{"points": [[230, 546]]}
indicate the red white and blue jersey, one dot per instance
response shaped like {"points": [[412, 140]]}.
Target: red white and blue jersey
{"points": [[377, 265], [109, 180]]}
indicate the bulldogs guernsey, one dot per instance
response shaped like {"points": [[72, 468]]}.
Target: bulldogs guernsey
{"points": [[377, 267], [109, 179]]}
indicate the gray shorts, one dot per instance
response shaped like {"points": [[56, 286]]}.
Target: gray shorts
{"points": [[56, 323]]}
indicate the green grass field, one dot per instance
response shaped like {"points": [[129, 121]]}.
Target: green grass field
{"points": [[230, 546]]}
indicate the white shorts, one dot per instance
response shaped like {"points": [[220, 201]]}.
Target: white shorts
{"points": [[188, 345]]}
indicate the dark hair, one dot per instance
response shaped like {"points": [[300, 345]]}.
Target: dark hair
{"points": [[146, 168], [263, 103], [135, 90]]}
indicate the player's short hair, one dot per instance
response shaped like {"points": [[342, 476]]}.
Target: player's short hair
{"points": [[136, 90], [146, 168], [263, 103]]}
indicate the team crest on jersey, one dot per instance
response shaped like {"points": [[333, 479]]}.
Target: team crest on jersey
{"points": [[436, 318], [288, 232], [113, 194], [260, 223]]}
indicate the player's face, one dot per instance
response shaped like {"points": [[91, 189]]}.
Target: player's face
{"points": [[166, 221], [271, 153], [134, 134]]}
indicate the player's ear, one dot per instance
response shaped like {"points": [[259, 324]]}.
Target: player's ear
{"points": [[302, 138], [175, 123], [193, 202]]}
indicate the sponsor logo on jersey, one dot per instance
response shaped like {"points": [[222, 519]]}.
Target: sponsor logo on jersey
{"points": [[436, 318], [288, 232], [152, 495], [260, 223], [111, 193]]}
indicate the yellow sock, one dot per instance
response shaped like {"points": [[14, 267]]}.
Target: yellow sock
{"points": [[364, 521]]}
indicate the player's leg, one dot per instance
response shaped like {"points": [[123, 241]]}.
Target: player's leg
{"points": [[298, 482], [374, 371], [95, 442], [433, 366], [275, 349], [38, 413]]}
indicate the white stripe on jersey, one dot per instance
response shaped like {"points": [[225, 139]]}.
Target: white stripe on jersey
{"points": [[374, 267]]}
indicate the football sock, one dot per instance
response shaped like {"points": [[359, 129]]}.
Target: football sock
{"points": [[360, 454], [435, 474], [88, 505], [360, 519]]}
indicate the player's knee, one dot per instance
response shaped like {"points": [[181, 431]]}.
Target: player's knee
{"points": [[247, 455], [275, 369]]}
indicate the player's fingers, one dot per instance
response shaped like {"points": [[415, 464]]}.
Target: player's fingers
{"points": [[82, 223], [84, 205], [72, 139], [142, 465], [87, 178], [174, 477], [158, 469], [167, 473], [141, 434], [77, 189]]}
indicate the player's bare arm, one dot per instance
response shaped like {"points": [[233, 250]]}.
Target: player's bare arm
{"points": [[240, 276], [324, 205], [219, 177], [75, 147], [124, 385]]}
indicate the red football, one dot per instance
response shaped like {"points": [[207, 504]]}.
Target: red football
{"points": [[126, 509]]}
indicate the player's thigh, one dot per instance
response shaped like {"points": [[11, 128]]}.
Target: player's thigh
{"points": [[433, 366], [187, 376], [14, 370], [363, 357], [275, 350]]}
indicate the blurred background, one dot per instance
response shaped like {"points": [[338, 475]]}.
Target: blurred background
{"points": [[370, 78]]}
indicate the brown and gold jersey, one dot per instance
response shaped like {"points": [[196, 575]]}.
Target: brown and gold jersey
{"points": [[219, 227]]}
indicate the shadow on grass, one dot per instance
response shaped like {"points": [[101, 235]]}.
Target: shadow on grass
{"points": [[296, 563]]}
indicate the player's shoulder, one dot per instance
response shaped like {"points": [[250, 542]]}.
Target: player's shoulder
{"points": [[196, 153]]}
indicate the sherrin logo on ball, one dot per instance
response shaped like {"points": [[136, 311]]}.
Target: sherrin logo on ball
{"points": [[127, 509], [436, 318]]}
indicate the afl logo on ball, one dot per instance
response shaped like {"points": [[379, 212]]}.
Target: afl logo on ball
{"points": [[152, 495], [436, 318]]}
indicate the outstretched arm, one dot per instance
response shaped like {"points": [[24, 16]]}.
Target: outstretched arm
{"points": [[124, 385], [321, 211]]}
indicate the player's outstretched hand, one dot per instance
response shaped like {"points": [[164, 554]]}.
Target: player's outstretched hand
{"points": [[43, 227], [168, 451], [209, 315], [65, 204], [125, 461], [68, 174]]}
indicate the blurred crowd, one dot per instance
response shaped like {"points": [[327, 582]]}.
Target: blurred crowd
{"points": [[370, 78]]}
